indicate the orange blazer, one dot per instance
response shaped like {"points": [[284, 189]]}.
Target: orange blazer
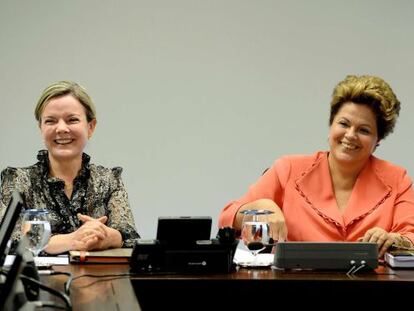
{"points": [[301, 186]]}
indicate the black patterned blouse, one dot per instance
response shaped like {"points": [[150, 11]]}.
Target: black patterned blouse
{"points": [[97, 192]]}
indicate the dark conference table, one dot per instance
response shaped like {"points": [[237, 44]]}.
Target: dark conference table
{"points": [[240, 289]]}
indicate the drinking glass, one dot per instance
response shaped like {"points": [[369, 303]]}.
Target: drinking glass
{"points": [[36, 228], [256, 232]]}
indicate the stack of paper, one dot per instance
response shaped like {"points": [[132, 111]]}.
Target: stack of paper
{"points": [[400, 258], [42, 261]]}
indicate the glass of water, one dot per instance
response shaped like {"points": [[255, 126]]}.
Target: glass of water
{"points": [[256, 232], [36, 228]]}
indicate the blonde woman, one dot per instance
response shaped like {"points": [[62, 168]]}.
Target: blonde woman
{"points": [[88, 204]]}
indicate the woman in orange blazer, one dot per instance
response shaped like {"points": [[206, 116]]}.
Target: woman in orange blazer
{"points": [[346, 194]]}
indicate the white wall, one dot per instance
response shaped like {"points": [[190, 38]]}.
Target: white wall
{"points": [[196, 98]]}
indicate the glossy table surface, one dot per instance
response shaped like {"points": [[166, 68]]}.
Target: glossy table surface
{"points": [[112, 287]]}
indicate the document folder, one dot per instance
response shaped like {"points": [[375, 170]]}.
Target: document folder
{"points": [[110, 256]]}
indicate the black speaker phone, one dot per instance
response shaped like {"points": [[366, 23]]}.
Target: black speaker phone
{"points": [[183, 245], [181, 230]]}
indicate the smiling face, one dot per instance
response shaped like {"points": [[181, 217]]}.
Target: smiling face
{"points": [[353, 135], [64, 128]]}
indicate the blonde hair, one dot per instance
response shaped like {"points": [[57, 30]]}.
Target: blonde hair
{"points": [[373, 92], [63, 88]]}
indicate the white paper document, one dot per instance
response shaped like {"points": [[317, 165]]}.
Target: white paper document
{"points": [[244, 257], [42, 261], [400, 260]]}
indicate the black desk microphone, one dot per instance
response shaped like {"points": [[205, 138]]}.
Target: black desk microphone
{"points": [[30, 270]]}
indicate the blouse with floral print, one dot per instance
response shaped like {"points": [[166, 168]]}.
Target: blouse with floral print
{"points": [[97, 192]]}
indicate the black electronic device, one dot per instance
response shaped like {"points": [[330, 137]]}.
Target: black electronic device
{"points": [[30, 270], [192, 255], [12, 295], [8, 223], [351, 256], [183, 229]]}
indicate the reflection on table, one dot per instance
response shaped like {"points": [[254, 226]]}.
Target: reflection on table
{"points": [[149, 292]]}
